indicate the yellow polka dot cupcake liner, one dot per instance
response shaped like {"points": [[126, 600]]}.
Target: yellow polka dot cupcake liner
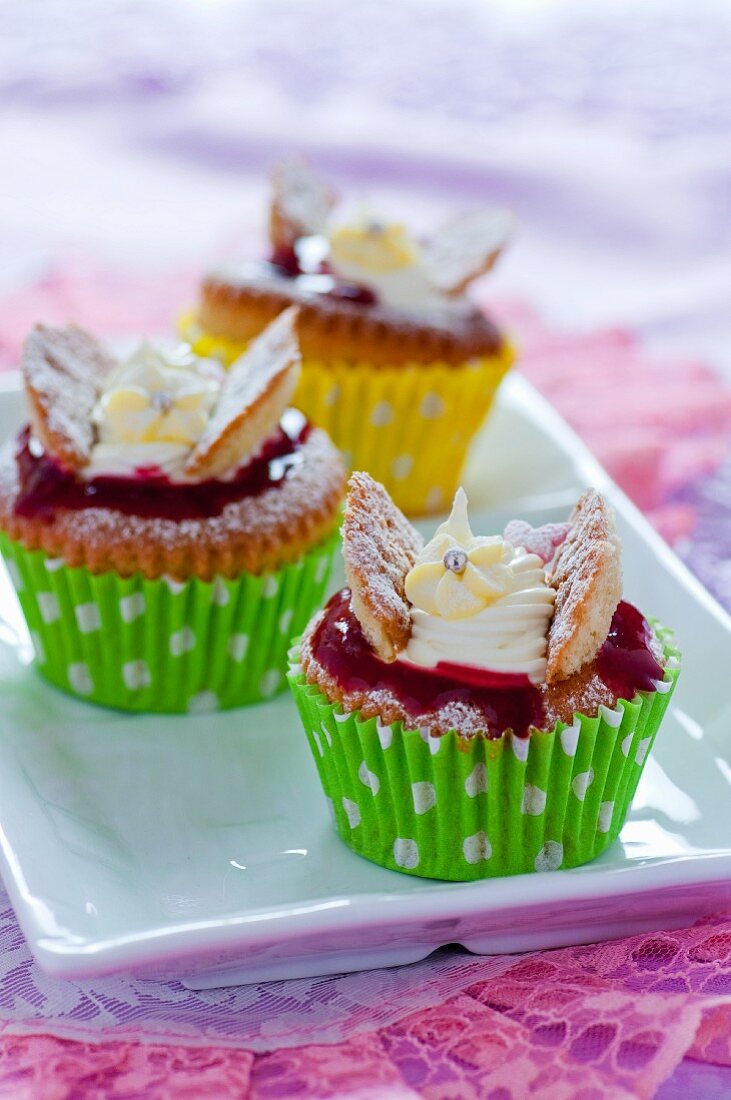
{"points": [[438, 807], [162, 645], [410, 426]]}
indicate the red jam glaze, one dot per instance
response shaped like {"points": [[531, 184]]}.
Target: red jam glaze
{"points": [[286, 264], [625, 661], [286, 261], [46, 486], [339, 646]]}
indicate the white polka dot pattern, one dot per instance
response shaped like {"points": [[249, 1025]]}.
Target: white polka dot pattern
{"points": [[176, 587], [580, 783], [431, 814], [424, 796], [368, 779], [270, 587], [332, 396], [476, 781], [384, 734], [613, 718], [405, 853], [381, 414], [203, 702], [49, 607], [477, 848], [433, 743], [88, 617], [534, 800], [432, 406], [182, 641], [171, 639], [132, 607], [550, 856], [520, 747], [80, 678], [570, 739], [237, 646], [351, 812], [642, 750], [606, 811], [136, 675], [221, 595], [402, 467]]}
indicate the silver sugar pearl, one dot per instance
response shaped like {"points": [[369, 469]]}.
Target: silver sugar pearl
{"points": [[161, 401], [455, 560]]}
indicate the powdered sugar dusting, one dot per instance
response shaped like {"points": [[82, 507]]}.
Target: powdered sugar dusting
{"points": [[253, 534], [255, 393], [587, 575], [537, 540], [379, 548], [64, 371]]}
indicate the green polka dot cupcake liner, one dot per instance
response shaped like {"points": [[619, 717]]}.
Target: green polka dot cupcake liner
{"points": [[443, 808], [162, 645]]}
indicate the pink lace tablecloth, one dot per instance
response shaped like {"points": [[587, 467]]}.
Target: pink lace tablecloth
{"points": [[615, 1020]]}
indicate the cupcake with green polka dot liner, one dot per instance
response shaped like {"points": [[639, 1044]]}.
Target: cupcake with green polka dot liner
{"points": [[480, 706], [400, 362], [167, 526]]}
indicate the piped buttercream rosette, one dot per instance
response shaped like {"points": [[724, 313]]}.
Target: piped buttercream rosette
{"points": [[478, 601]]}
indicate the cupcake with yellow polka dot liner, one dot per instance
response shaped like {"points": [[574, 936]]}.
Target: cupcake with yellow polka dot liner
{"points": [[400, 366], [167, 526], [480, 706]]}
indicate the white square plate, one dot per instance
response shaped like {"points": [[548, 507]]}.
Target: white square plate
{"points": [[200, 847]]}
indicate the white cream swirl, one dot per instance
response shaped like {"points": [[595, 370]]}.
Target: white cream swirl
{"points": [[152, 412], [479, 602], [386, 258]]}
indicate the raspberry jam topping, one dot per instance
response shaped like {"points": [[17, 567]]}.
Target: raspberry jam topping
{"points": [[353, 292], [286, 261], [625, 663], [286, 264], [46, 486]]}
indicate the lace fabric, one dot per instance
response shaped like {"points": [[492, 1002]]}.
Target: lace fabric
{"points": [[585, 1023]]}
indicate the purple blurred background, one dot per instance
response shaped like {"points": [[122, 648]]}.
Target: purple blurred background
{"points": [[135, 134]]}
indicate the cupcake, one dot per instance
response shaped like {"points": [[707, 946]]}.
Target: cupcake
{"points": [[400, 366], [480, 706], [167, 526]]}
